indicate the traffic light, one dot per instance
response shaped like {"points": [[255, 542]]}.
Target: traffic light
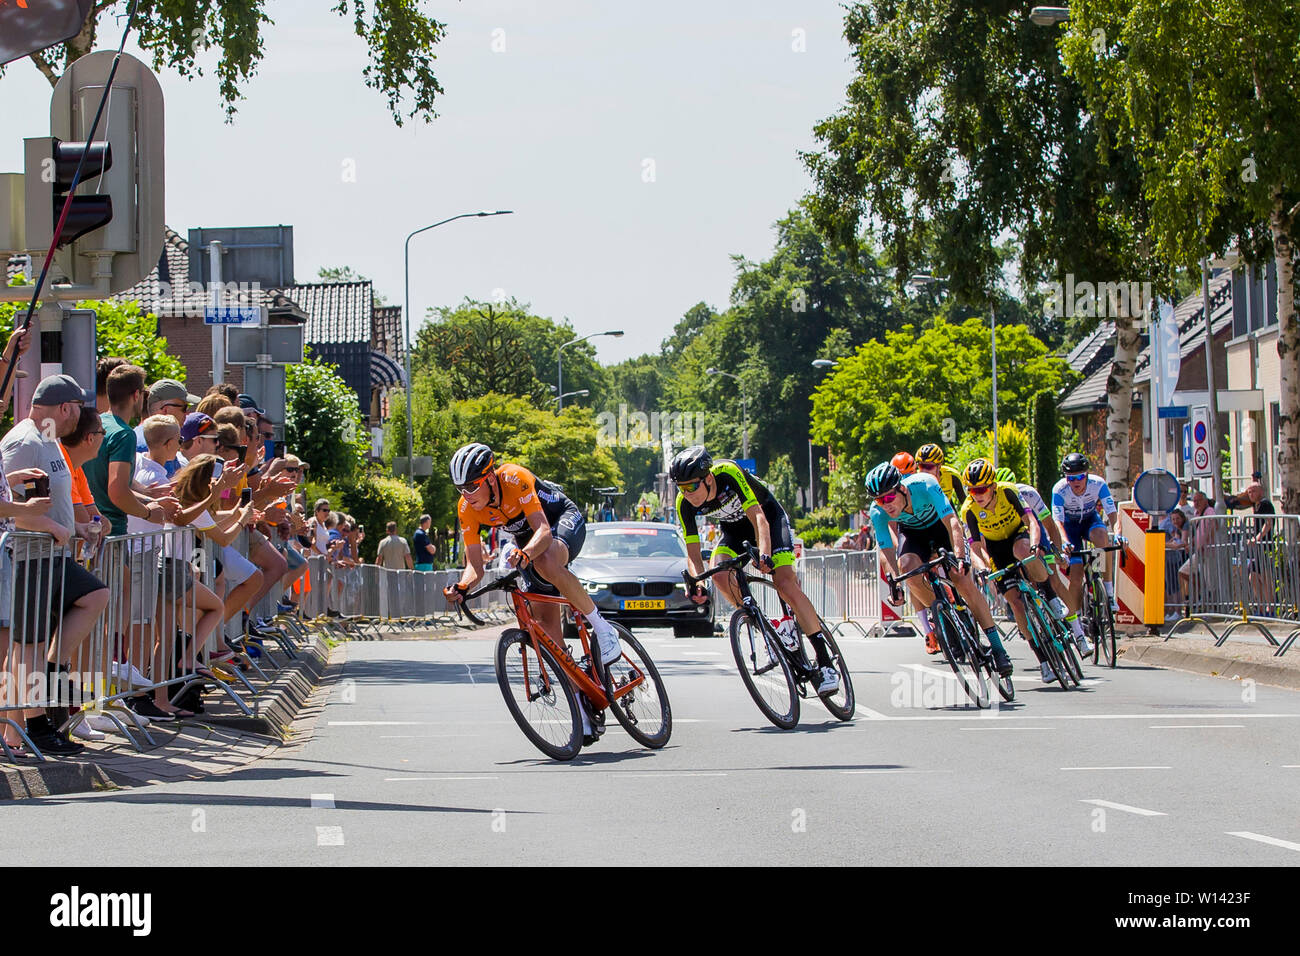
{"points": [[88, 212]]}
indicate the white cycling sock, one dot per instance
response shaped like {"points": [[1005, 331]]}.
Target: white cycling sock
{"points": [[923, 616], [597, 622]]}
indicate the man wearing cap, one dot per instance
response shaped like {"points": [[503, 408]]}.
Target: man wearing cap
{"points": [[75, 597], [166, 397], [198, 437], [110, 473]]}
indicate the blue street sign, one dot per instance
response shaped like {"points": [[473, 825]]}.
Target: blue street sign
{"points": [[232, 315], [1187, 442], [1173, 411], [748, 464]]}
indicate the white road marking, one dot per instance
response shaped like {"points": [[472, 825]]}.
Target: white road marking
{"points": [[405, 779], [322, 801], [1000, 727], [890, 770], [861, 711], [672, 773], [1196, 727], [948, 675], [1126, 808], [1117, 768], [378, 723], [470, 669], [1002, 717], [1260, 838], [422, 736], [329, 836]]}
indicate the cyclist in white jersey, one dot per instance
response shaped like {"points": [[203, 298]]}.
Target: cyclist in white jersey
{"points": [[1074, 505]]}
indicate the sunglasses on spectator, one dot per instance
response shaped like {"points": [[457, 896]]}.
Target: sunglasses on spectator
{"points": [[1075, 477], [886, 498], [979, 489], [174, 405], [688, 487]]}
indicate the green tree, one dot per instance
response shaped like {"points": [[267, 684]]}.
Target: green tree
{"points": [[347, 274], [961, 127], [1013, 449], [782, 481], [322, 422], [482, 348], [1205, 97], [866, 410], [121, 329], [400, 40]]}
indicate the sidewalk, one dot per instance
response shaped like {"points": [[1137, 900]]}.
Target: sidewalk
{"points": [[222, 740]]}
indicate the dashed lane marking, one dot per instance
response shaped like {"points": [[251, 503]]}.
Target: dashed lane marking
{"points": [[1125, 808], [1260, 838], [329, 836]]}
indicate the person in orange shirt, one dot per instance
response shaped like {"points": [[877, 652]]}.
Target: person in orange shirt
{"points": [[78, 448]]}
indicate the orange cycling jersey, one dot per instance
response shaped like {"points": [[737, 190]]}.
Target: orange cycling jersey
{"points": [[522, 494]]}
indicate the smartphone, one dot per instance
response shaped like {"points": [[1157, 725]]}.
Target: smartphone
{"points": [[246, 496], [38, 487], [243, 452], [277, 449], [217, 467]]}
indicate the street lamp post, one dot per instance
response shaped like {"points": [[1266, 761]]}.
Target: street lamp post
{"points": [[744, 405], [406, 314], [921, 279], [560, 398], [821, 364], [617, 333]]}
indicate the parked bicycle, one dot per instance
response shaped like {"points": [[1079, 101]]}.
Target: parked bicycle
{"points": [[954, 628], [1098, 617], [544, 685], [1047, 632], [778, 670]]}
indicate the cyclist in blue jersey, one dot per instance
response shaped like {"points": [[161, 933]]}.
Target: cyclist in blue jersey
{"points": [[1074, 505], [925, 522]]}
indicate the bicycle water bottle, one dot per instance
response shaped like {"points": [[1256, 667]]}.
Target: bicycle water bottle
{"points": [[785, 631]]}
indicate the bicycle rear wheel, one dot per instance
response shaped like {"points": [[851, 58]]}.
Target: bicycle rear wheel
{"points": [[538, 695], [1042, 637], [636, 694], [958, 644], [1105, 623], [1065, 646], [764, 669], [841, 703]]}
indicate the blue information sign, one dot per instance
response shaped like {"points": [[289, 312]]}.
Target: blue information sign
{"points": [[232, 315]]}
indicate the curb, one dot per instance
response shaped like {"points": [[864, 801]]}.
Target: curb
{"points": [[274, 711], [1208, 665]]}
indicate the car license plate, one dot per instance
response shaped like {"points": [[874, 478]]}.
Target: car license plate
{"points": [[643, 605]]}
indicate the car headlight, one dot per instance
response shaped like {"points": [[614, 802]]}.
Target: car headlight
{"points": [[680, 586], [594, 587]]}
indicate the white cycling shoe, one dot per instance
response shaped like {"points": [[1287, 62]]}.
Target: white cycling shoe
{"points": [[1081, 642], [1048, 676], [829, 683], [608, 645]]}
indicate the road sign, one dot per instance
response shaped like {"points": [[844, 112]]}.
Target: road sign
{"points": [[1201, 441], [1172, 411], [747, 464], [232, 315], [1156, 491], [1187, 443]]}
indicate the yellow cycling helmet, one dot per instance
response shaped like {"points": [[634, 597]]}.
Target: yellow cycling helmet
{"points": [[980, 472], [929, 454]]}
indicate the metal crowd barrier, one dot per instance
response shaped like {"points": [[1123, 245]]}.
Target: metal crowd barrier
{"points": [[1230, 574]]}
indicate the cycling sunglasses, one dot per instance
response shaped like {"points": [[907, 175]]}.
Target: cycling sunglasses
{"points": [[687, 487], [927, 466], [979, 489], [1076, 477], [471, 487], [886, 498]]}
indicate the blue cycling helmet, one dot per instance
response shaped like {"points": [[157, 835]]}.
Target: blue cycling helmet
{"points": [[883, 479]]}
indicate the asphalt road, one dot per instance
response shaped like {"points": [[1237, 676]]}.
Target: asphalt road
{"points": [[415, 760]]}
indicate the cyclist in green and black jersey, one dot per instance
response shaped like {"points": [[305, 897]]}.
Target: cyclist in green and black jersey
{"points": [[747, 514]]}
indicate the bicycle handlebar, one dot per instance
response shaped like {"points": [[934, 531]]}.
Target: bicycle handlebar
{"points": [[945, 558], [732, 564], [500, 584], [1049, 559]]}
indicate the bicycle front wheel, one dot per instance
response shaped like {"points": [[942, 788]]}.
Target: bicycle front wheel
{"points": [[764, 669], [1105, 623], [841, 703], [1046, 644], [958, 643], [636, 694], [538, 695]]}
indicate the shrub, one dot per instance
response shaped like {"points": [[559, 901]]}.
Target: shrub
{"points": [[374, 501]]}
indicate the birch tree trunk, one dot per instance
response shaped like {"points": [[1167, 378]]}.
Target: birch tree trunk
{"points": [[1119, 399], [1288, 339]]}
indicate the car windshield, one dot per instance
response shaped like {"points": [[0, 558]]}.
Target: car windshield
{"points": [[633, 543]]}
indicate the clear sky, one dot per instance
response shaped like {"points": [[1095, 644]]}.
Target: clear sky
{"points": [[640, 146]]}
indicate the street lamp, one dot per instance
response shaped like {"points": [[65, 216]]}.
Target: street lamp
{"points": [[921, 279], [406, 351], [1049, 16], [561, 398], [744, 405], [818, 364], [617, 333]]}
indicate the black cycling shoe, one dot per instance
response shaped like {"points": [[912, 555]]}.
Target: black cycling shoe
{"points": [[589, 739], [1002, 663]]}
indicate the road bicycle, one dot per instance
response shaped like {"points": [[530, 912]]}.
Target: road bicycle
{"points": [[776, 674], [1047, 632], [955, 629], [1098, 618], [544, 685]]}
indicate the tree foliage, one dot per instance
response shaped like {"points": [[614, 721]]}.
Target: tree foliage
{"points": [[896, 394], [122, 329], [400, 40], [322, 422]]}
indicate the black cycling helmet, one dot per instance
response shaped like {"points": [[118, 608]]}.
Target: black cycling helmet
{"points": [[883, 479], [690, 464], [470, 463], [1074, 463]]}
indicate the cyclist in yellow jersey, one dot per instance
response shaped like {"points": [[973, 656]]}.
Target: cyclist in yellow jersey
{"points": [[1003, 530], [929, 461]]}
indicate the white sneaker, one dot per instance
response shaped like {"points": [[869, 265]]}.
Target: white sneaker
{"points": [[127, 674], [84, 731], [829, 683], [607, 642], [97, 721], [1048, 676], [1081, 642]]}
